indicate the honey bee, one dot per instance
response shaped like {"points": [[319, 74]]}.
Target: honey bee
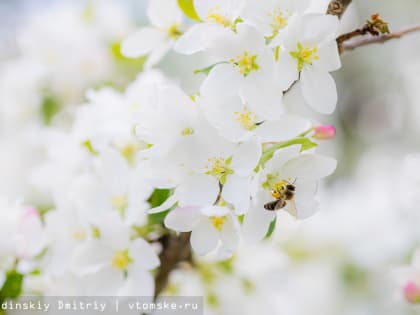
{"points": [[283, 191]]}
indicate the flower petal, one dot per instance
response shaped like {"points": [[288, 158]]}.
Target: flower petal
{"points": [[319, 90], [142, 42], [221, 83], [144, 256], [204, 237], [285, 128], [183, 219], [198, 190], [309, 167], [91, 257], [246, 157], [193, 40], [256, 223]]}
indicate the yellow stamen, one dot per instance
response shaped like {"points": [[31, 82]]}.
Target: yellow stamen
{"points": [[218, 222], [215, 16], [219, 168], [279, 20], [121, 260], [120, 203], [246, 63], [174, 31], [305, 55], [187, 131], [129, 152], [79, 235], [246, 118]]}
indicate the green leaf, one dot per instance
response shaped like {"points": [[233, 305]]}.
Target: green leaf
{"points": [[12, 287], [157, 218], [305, 144], [49, 108], [187, 6], [158, 197], [271, 228], [130, 67]]}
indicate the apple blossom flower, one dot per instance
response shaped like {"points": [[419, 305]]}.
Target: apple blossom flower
{"points": [[245, 66], [310, 41], [218, 18], [119, 264], [211, 227], [155, 40], [287, 166]]}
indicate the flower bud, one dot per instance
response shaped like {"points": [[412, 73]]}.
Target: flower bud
{"points": [[324, 132], [412, 292]]}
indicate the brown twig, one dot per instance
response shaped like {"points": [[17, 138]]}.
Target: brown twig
{"points": [[175, 249], [338, 7], [351, 45]]}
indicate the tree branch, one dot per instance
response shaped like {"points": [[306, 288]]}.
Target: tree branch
{"points": [[351, 45], [338, 7], [175, 249]]}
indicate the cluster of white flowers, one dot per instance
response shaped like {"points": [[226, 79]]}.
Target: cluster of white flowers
{"points": [[232, 147], [227, 159]]}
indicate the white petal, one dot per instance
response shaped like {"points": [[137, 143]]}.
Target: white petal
{"points": [[282, 156], [329, 57], [256, 223], [319, 28], [91, 257], [306, 207], [246, 157], [197, 38], [229, 238], [164, 13], [309, 167], [168, 203], [319, 90], [143, 255], [237, 192], [106, 282], [183, 219], [221, 83], [287, 70], [214, 211], [286, 128], [204, 237], [198, 190], [142, 42], [138, 283]]}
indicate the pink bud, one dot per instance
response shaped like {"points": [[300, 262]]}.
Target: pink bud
{"points": [[412, 292], [31, 211], [324, 132]]}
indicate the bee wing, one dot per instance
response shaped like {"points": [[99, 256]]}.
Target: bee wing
{"points": [[291, 208]]}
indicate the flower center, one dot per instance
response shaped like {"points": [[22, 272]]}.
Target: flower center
{"points": [[187, 131], [129, 152], [174, 31], [218, 222], [216, 17], [246, 118], [278, 20], [79, 235], [120, 203], [121, 260], [304, 55], [246, 63], [219, 168]]}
